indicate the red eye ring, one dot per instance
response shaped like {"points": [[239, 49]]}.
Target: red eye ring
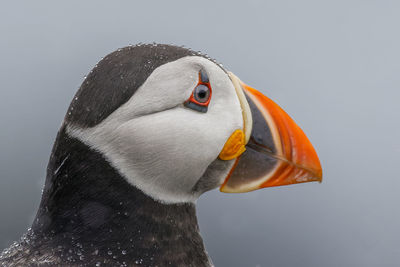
{"points": [[201, 85]]}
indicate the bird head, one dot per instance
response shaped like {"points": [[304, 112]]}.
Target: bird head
{"points": [[176, 124]]}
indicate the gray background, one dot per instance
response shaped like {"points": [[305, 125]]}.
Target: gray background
{"points": [[333, 65]]}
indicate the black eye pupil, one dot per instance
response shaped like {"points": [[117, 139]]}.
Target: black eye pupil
{"points": [[201, 93]]}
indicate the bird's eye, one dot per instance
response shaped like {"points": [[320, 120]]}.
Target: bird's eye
{"points": [[201, 96], [201, 93]]}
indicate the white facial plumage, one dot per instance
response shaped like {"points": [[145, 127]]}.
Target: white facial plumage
{"points": [[159, 145]]}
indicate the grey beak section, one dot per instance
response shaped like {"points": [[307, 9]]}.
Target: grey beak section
{"points": [[257, 161]]}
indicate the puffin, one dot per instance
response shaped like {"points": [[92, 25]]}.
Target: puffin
{"points": [[152, 128]]}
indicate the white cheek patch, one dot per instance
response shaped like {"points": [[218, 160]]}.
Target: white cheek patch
{"points": [[158, 145]]}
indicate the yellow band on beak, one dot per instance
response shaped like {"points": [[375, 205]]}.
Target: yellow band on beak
{"points": [[234, 146]]}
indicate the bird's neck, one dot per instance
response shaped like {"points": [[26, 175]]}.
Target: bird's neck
{"points": [[89, 211]]}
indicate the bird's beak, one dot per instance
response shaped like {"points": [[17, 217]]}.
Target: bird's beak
{"points": [[274, 150]]}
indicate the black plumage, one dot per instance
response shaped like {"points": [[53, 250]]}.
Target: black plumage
{"points": [[116, 78], [90, 215]]}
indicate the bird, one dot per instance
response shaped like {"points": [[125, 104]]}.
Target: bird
{"points": [[151, 128]]}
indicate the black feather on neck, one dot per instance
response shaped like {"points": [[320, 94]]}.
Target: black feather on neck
{"points": [[90, 214]]}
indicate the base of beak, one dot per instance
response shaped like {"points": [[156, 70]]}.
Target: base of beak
{"points": [[234, 146]]}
